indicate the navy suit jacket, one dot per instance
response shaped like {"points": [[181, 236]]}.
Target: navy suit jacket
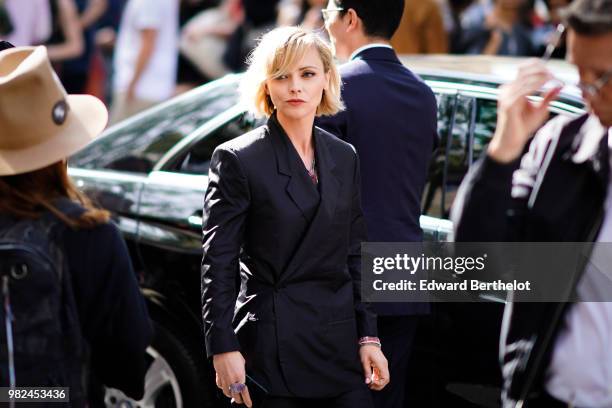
{"points": [[390, 118]]}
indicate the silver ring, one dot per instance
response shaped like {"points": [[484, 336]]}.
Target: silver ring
{"points": [[236, 388]]}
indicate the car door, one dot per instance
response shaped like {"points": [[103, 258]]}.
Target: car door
{"points": [[471, 370], [433, 223], [170, 230], [456, 346]]}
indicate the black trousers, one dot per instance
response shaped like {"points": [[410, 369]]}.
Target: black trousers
{"points": [[396, 334], [359, 398]]}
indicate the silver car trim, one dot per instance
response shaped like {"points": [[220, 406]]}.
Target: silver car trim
{"points": [[169, 178], [485, 92], [107, 174]]}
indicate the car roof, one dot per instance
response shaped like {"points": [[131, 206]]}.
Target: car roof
{"points": [[485, 69], [494, 68]]}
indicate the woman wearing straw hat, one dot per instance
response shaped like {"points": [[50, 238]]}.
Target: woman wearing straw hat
{"points": [[40, 125]]}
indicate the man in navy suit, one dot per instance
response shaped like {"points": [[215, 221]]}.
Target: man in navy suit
{"points": [[390, 118]]}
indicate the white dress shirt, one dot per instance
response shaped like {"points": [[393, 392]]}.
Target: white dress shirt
{"points": [[580, 371]]}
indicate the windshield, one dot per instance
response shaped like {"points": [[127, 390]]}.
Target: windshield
{"points": [[138, 145]]}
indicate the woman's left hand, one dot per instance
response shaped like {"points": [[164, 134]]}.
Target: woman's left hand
{"points": [[375, 366]]}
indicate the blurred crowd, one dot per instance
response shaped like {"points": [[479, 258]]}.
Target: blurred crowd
{"points": [[136, 53]]}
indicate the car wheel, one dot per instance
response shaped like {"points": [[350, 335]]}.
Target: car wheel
{"points": [[174, 378]]}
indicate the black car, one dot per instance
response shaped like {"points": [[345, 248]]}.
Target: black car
{"points": [[151, 170]]}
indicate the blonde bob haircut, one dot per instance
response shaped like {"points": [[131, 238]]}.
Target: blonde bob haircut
{"points": [[276, 54]]}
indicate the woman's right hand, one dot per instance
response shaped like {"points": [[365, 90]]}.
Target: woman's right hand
{"points": [[375, 366], [517, 116], [229, 368]]}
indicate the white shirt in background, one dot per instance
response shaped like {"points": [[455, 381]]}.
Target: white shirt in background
{"points": [[158, 80], [31, 20], [580, 371]]}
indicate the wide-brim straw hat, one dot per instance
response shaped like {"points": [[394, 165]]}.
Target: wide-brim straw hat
{"points": [[41, 124]]}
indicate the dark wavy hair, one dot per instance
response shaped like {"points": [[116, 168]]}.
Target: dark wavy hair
{"points": [[29, 195]]}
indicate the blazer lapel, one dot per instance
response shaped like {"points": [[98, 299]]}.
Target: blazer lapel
{"points": [[298, 195], [329, 182], [319, 227]]}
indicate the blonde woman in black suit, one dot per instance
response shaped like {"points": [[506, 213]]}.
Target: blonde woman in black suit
{"points": [[283, 211]]}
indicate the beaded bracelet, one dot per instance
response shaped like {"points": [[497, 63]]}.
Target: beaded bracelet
{"points": [[369, 340]]}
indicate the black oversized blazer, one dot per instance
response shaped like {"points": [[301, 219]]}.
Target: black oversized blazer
{"points": [[294, 310]]}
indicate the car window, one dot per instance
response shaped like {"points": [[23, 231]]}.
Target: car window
{"points": [[458, 151], [474, 123], [138, 146], [484, 125], [432, 194], [196, 159]]}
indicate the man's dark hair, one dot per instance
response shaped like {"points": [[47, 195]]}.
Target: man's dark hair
{"points": [[380, 17], [589, 17], [5, 45]]}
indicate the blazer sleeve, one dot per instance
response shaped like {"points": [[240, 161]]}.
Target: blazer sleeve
{"points": [[483, 195], [366, 319], [225, 207], [499, 192]]}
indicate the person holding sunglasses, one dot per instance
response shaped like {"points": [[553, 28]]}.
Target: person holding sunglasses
{"points": [[553, 188]]}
